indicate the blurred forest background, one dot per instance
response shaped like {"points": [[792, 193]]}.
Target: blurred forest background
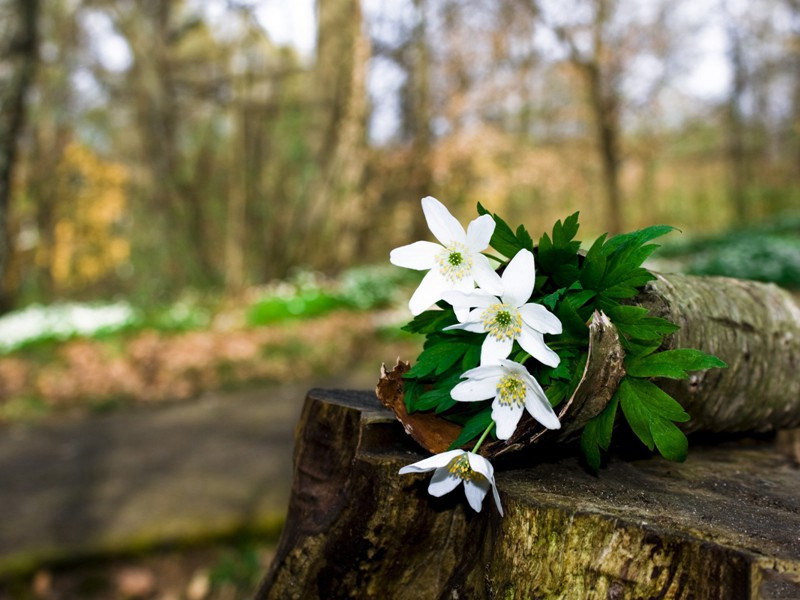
{"points": [[158, 145]]}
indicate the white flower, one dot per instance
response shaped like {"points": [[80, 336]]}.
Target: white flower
{"points": [[514, 389], [451, 468], [508, 317], [455, 264]]}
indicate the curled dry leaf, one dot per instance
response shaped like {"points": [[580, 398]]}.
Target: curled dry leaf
{"points": [[601, 376], [430, 431]]}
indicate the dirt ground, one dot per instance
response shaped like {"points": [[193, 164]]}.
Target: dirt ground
{"points": [[220, 572]]}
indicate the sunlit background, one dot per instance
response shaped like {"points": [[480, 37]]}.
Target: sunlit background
{"points": [[198, 198]]}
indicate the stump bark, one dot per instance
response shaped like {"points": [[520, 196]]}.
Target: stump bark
{"points": [[723, 525]]}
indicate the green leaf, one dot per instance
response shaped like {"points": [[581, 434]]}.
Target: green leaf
{"points": [[635, 413], [597, 433], [637, 238], [558, 255], [557, 392], [636, 348], [473, 428], [573, 326], [551, 299], [657, 400], [431, 399], [628, 286], [472, 358], [581, 298], [594, 264], [445, 404], [411, 391], [524, 238], [620, 314], [567, 274], [430, 321], [650, 412], [503, 239], [673, 364], [564, 233], [437, 357], [648, 329], [670, 441], [605, 422], [590, 447]]}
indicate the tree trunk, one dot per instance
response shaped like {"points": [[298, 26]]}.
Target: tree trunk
{"points": [[722, 525], [337, 213], [737, 156], [604, 108], [18, 53]]}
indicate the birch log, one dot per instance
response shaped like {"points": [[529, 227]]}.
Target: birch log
{"points": [[754, 327]]}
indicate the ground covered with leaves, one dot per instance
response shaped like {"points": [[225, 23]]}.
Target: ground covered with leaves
{"points": [[221, 572]]}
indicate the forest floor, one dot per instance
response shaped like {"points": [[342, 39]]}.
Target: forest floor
{"points": [[151, 367], [187, 498]]}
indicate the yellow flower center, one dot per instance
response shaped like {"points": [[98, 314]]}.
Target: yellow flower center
{"points": [[511, 390], [454, 262], [459, 467], [502, 321]]}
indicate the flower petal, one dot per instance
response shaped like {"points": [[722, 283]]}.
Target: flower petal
{"points": [[518, 279], [533, 343], [540, 409], [479, 233], [470, 326], [506, 418], [442, 224], [474, 390], [475, 491], [514, 367], [442, 482], [429, 292], [462, 314], [472, 299], [493, 349], [496, 495], [481, 465], [484, 372], [485, 275], [418, 256], [539, 318], [431, 463]]}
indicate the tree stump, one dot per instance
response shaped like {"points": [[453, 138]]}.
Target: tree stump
{"points": [[724, 525]]}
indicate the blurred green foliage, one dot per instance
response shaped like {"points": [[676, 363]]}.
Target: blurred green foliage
{"points": [[769, 251], [238, 569], [305, 295]]}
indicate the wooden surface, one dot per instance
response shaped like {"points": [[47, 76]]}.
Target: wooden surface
{"points": [[725, 524]]}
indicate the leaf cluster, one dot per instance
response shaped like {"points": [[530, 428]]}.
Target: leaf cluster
{"points": [[573, 285]]}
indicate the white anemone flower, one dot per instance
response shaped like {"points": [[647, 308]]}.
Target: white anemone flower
{"points": [[454, 467], [456, 263], [508, 317], [513, 389]]}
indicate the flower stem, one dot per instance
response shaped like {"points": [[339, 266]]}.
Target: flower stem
{"points": [[483, 437]]}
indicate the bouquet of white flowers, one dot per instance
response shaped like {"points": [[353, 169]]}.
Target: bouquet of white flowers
{"points": [[511, 335]]}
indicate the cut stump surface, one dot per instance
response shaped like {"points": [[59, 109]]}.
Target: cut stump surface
{"points": [[725, 524]]}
